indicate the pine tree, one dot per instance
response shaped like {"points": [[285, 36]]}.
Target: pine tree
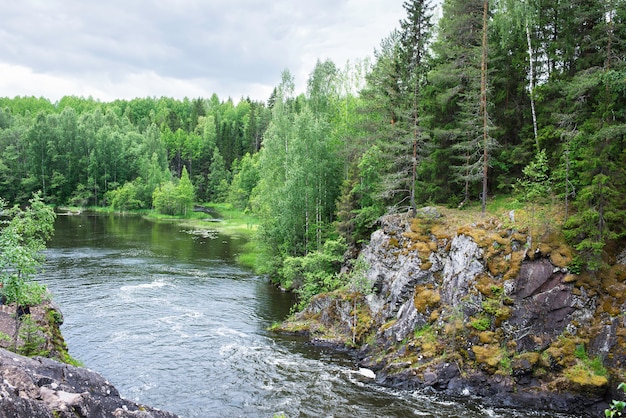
{"points": [[458, 96]]}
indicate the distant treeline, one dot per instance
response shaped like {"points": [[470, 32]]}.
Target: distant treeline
{"points": [[505, 97]]}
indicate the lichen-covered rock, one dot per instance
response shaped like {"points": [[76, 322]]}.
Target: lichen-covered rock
{"points": [[46, 319], [482, 309], [41, 388], [461, 267]]}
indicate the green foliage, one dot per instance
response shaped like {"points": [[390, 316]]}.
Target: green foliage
{"points": [[423, 331], [217, 180], [314, 273], [22, 240], [535, 186], [33, 340], [124, 198], [360, 205], [299, 167], [580, 352], [244, 181], [481, 324], [617, 408], [175, 199], [79, 149], [491, 306], [505, 364], [596, 364]]}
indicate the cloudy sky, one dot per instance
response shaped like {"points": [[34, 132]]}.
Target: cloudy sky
{"points": [[112, 49]]}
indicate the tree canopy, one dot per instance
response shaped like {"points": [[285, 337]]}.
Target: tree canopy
{"points": [[497, 97]]}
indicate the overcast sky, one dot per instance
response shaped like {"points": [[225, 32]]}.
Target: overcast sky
{"points": [[123, 49]]}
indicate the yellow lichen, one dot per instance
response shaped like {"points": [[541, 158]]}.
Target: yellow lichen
{"points": [[562, 351], [485, 285], [489, 356], [498, 265], [487, 337], [552, 244], [585, 378], [440, 232], [434, 315], [515, 264], [422, 248], [425, 297], [570, 278]]}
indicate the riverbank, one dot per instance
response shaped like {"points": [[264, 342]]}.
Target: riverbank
{"points": [[43, 388], [204, 221], [492, 307], [38, 377]]}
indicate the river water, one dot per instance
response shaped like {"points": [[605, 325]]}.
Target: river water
{"points": [[173, 322]]}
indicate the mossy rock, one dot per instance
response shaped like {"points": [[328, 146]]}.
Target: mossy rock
{"points": [[498, 265], [426, 265], [487, 337], [609, 305], [617, 272], [525, 363], [615, 289], [487, 285], [582, 379], [561, 352], [515, 263], [423, 249], [554, 245], [425, 298], [393, 243], [488, 357], [440, 232]]}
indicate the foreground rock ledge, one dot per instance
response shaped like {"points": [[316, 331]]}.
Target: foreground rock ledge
{"points": [[40, 387]]}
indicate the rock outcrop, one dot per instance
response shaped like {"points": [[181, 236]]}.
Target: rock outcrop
{"points": [[40, 387], [480, 309]]}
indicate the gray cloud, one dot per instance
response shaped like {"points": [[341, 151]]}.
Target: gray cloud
{"points": [[225, 45]]}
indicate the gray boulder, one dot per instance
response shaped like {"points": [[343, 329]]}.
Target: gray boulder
{"points": [[40, 387]]}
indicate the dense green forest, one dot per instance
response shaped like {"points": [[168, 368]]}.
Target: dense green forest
{"points": [[524, 97]]}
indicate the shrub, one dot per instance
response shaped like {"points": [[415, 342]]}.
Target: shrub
{"points": [[616, 408]]}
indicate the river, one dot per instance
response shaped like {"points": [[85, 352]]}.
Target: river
{"points": [[171, 320]]}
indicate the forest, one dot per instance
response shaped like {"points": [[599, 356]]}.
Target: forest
{"points": [[523, 98]]}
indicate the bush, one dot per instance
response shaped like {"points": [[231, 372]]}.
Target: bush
{"points": [[617, 408], [315, 273], [174, 199], [124, 198], [22, 241], [32, 336]]}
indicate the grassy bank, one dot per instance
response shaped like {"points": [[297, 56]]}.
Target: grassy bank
{"points": [[218, 217], [225, 219]]}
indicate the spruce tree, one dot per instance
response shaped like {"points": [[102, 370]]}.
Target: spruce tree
{"points": [[416, 31], [458, 100]]}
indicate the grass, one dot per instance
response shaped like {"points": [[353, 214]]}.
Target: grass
{"points": [[227, 220], [536, 219], [222, 217]]}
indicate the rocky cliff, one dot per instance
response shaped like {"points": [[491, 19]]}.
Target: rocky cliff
{"points": [[42, 387], [480, 309]]}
